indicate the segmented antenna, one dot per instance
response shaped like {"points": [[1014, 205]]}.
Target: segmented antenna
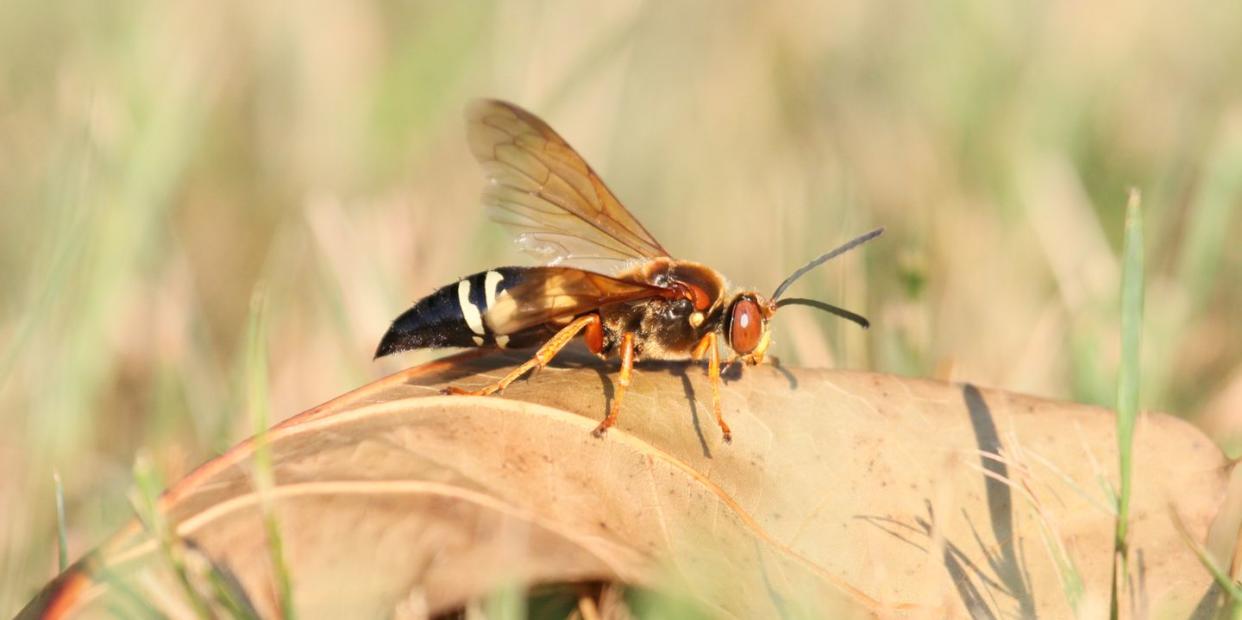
{"points": [[823, 258]]}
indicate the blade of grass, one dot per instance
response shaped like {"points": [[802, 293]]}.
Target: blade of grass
{"points": [[190, 565], [506, 603], [1072, 584], [654, 603], [1208, 231], [1127, 382], [257, 403], [146, 501], [62, 545], [125, 603], [1227, 585], [227, 591]]}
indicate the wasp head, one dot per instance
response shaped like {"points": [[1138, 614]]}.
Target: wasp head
{"points": [[745, 323]]}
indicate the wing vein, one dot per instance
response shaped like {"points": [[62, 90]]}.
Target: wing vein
{"points": [[563, 212]]}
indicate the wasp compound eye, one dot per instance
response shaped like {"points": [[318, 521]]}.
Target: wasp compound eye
{"points": [[745, 325]]}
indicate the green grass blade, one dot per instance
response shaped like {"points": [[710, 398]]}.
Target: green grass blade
{"points": [[228, 592], [265, 481], [1128, 382], [1209, 228], [508, 602], [146, 504], [62, 544], [125, 603], [1233, 610]]}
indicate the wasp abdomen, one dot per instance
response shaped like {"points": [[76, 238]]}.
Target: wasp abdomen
{"points": [[452, 316]]}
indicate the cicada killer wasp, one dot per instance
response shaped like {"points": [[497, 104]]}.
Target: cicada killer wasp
{"points": [[649, 305]]}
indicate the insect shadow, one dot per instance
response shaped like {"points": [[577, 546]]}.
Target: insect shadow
{"points": [[576, 356], [681, 370], [734, 372], [1004, 570]]}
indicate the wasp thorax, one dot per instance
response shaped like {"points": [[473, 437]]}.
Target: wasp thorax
{"points": [[680, 309]]}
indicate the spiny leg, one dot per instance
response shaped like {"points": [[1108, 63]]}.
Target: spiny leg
{"points": [[541, 358], [713, 373], [623, 381]]}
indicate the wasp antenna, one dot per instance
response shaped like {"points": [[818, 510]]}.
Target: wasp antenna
{"points": [[823, 258], [826, 307]]}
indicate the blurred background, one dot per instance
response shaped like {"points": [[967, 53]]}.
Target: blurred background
{"points": [[159, 160]]}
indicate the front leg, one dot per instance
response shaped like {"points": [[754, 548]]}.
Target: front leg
{"points": [[708, 345]]}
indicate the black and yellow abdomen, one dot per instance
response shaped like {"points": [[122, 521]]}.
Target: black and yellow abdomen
{"points": [[453, 316]]}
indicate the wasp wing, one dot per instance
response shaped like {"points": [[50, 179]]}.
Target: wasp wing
{"points": [[543, 295], [540, 188]]}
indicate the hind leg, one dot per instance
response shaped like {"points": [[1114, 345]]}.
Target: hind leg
{"points": [[541, 358]]}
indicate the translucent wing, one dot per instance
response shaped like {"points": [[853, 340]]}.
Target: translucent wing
{"points": [[545, 192], [547, 294]]}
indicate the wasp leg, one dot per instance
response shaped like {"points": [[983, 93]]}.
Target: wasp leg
{"points": [[699, 349], [708, 345], [623, 381], [541, 358], [713, 373]]}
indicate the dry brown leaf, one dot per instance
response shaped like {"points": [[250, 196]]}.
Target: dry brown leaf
{"points": [[842, 492]]}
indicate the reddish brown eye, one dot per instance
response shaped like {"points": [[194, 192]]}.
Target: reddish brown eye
{"points": [[745, 326]]}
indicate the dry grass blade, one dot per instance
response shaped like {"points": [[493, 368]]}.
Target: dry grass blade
{"points": [[843, 493]]}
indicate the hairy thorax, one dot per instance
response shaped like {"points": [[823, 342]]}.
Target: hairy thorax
{"points": [[668, 329]]}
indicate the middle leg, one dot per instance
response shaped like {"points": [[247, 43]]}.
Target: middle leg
{"points": [[623, 381]]}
